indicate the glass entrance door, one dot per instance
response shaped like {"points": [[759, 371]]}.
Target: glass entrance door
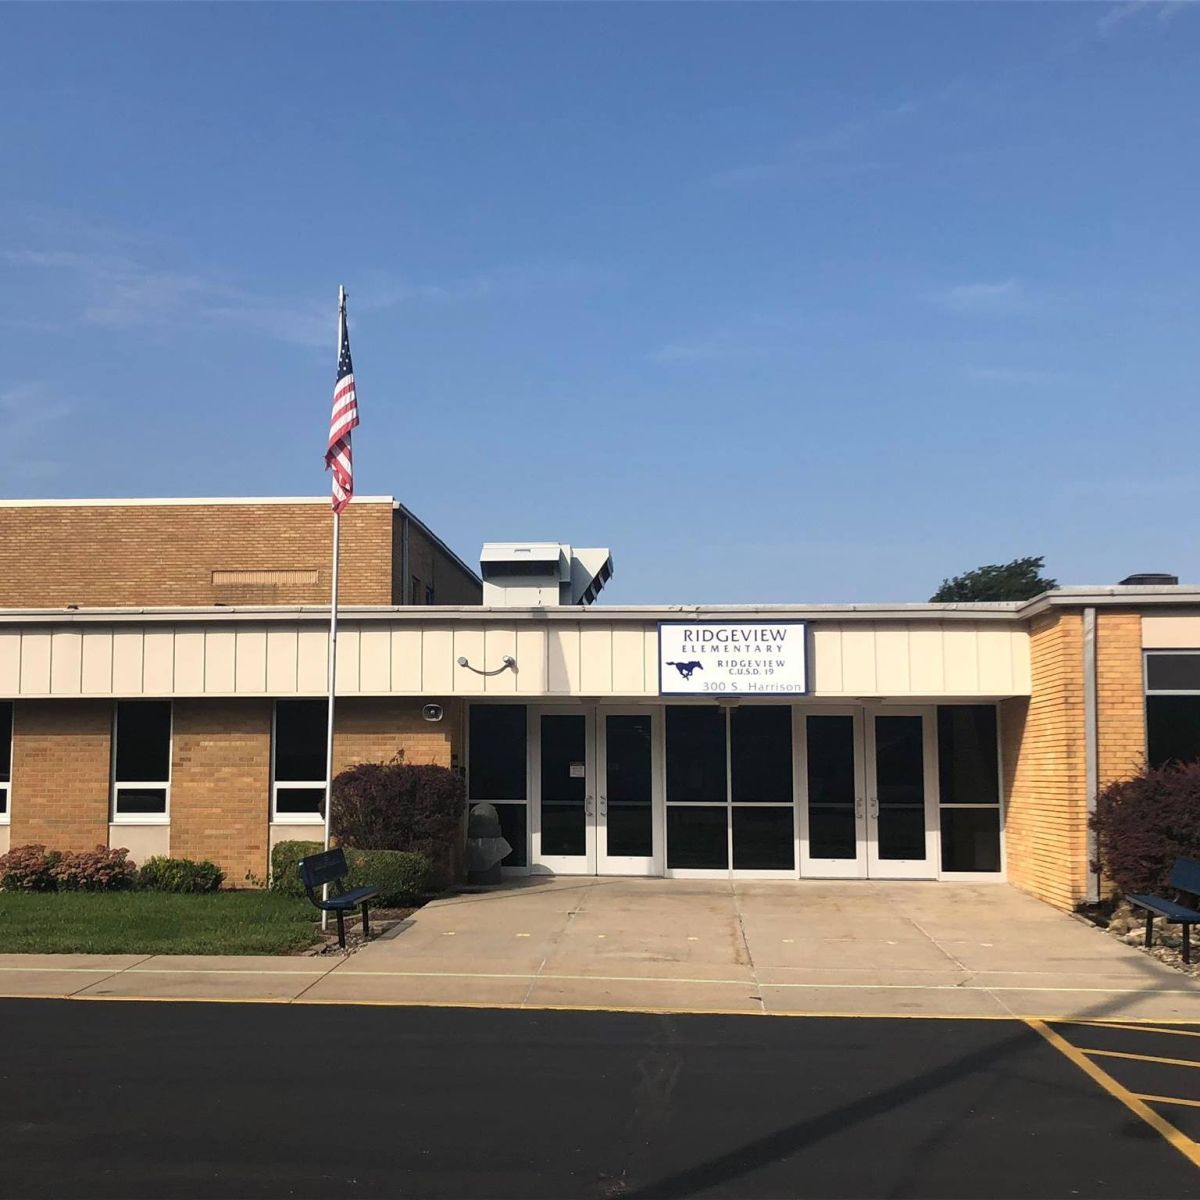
{"points": [[833, 824], [564, 827], [901, 793], [595, 786], [626, 812]]}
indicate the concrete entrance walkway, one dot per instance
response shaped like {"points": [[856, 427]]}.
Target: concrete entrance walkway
{"points": [[808, 947]]}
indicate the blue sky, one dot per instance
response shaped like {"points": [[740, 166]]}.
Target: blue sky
{"points": [[781, 302]]}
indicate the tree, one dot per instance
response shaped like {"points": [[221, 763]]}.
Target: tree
{"points": [[1020, 579]]}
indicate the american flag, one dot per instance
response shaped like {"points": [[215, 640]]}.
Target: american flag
{"points": [[338, 457]]}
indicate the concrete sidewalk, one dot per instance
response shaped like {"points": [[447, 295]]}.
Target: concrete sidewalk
{"points": [[853, 948]]}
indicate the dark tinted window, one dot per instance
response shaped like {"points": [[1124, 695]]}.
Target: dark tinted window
{"points": [[970, 839], [497, 752], [294, 802], [6, 714], [513, 826], [1173, 672], [301, 728], [1172, 729], [968, 770], [761, 754], [143, 750], [763, 839], [695, 755], [697, 837]]}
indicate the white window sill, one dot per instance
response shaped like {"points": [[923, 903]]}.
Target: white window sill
{"points": [[141, 819], [300, 819]]}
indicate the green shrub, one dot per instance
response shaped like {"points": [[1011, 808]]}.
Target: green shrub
{"points": [[403, 806], [284, 857], [162, 874], [401, 875]]}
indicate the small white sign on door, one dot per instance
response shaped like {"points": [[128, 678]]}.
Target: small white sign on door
{"points": [[577, 770], [732, 658]]}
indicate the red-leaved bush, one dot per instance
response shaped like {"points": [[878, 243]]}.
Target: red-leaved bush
{"points": [[1145, 823], [99, 870], [33, 868], [403, 806], [28, 869]]}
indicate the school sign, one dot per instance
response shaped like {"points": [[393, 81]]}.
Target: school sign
{"points": [[714, 658]]}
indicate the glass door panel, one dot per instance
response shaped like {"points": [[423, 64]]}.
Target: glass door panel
{"points": [[900, 795], [832, 817], [626, 810], [565, 832]]}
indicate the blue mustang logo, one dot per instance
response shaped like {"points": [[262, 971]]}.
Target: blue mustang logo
{"points": [[686, 668]]}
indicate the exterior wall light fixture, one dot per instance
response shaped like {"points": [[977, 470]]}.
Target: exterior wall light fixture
{"points": [[510, 664]]}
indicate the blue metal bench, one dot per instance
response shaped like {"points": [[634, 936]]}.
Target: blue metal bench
{"points": [[1185, 878], [330, 867]]}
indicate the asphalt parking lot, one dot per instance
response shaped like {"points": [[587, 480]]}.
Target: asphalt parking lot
{"points": [[136, 1099]]}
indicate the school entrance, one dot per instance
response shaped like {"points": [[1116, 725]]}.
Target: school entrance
{"points": [[750, 789]]}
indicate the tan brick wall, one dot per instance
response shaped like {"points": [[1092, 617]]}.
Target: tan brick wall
{"points": [[374, 730], [146, 555], [431, 566], [1120, 700], [61, 760], [220, 785], [1044, 770]]}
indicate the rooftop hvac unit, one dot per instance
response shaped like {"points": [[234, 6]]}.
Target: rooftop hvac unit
{"points": [[541, 574]]}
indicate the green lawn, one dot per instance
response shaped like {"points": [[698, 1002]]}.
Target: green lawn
{"points": [[154, 923]]}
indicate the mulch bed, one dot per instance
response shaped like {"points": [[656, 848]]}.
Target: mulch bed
{"points": [[382, 920], [1122, 922]]}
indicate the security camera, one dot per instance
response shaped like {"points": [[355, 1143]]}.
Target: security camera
{"points": [[432, 712]]}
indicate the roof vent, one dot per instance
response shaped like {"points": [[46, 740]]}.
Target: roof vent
{"points": [[540, 574], [1149, 579]]}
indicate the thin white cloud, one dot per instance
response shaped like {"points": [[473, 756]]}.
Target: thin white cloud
{"points": [[984, 297], [118, 292], [838, 150], [1118, 15], [1017, 376]]}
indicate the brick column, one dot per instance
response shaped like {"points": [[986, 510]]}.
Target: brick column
{"points": [[1044, 768], [220, 785], [61, 761], [1120, 699]]}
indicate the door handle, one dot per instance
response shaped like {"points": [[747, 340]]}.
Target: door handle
{"points": [[604, 806], [858, 807], [587, 805], [875, 808]]}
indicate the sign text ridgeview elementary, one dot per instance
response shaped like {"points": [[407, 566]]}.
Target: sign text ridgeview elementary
{"points": [[707, 658]]}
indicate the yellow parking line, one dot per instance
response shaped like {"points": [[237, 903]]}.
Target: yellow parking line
{"points": [[1170, 1062], [1184, 1144], [1139, 1027], [1170, 1100]]}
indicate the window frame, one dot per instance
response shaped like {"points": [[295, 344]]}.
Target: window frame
{"points": [[285, 818], [1000, 807], [727, 803], [525, 803], [115, 816], [6, 784], [1147, 690]]}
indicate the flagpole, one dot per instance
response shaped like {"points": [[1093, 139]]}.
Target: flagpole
{"points": [[332, 663]]}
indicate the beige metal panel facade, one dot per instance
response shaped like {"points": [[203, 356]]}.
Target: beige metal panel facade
{"points": [[1171, 633], [10, 662], [66, 662], [98, 662], [893, 659]]}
